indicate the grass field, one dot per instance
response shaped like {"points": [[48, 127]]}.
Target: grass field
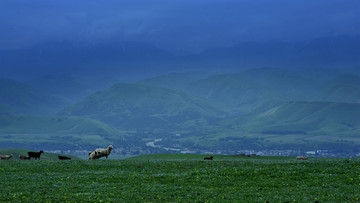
{"points": [[181, 178]]}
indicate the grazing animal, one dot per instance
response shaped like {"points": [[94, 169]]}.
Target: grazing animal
{"points": [[6, 157], [209, 158], [98, 153], [35, 155], [301, 158], [23, 157], [64, 158]]}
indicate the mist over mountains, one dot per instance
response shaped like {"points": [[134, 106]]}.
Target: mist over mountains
{"points": [[72, 58], [135, 60], [326, 52]]}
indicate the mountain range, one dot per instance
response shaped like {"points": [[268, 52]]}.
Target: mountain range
{"points": [[265, 108]]}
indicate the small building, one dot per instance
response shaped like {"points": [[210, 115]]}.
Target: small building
{"points": [[310, 153]]}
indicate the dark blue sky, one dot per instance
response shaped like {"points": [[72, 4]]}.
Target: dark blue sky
{"points": [[179, 26], [150, 37]]}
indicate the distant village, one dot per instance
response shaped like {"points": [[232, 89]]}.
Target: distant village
{"points": [[139, 151]]}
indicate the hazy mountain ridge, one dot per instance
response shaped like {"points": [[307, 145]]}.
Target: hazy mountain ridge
{"points": [[342, 88], [176, 81], [336, 52], [138, 106], [254, 88], [310, 118], [276, 83], [138, 60], [73, 88], [21, 99]]}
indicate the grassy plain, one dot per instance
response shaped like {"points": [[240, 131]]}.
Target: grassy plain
{"points": [[181, 178]]}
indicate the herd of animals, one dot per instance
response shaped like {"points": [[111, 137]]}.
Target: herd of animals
{"points": [[35, 155], [96, 154]]}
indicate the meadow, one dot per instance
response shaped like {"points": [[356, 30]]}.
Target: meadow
{"points": [[182, 178]]}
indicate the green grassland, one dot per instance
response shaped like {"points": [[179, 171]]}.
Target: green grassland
{"points": [[181, 178], [57, 130]]}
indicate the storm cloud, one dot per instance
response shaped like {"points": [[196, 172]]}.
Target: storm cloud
{"points": [[180, 26]]}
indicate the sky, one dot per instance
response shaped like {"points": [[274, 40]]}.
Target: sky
{"points": [[178, 26]]}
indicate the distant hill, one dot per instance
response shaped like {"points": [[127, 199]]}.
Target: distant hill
{"points": [[272, 84], [292, 125], [138, 106], [342, 88], [175, 81], [21, 99], [55, 132], [312, 118], [73, 88], [256, 89]]}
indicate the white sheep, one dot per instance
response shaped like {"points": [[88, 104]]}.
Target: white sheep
{"points": [[98, 153], [6, 157]]}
